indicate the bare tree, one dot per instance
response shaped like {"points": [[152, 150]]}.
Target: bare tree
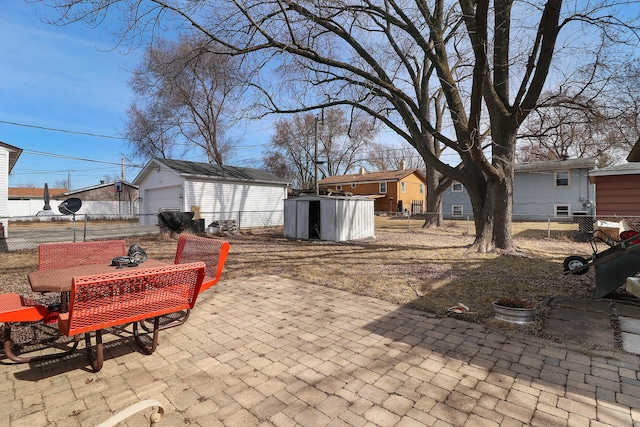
{"points": [[383, 157], [568, 131], [597, 115], [490, 58], [186, 98], [624, 104], [63, 183], [341, 144]]}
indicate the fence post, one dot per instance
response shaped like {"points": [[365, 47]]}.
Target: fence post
{"points": [[84, 234], [548, 227], [468, 229]]}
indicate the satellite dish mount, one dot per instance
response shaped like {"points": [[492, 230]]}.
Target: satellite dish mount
{"points": [[70, 207]]}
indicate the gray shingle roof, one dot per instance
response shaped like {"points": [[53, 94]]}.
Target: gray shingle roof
{"points": [[233, 173], [553, 165]]}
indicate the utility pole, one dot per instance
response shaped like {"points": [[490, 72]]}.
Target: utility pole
{"points": [[315, 155]]}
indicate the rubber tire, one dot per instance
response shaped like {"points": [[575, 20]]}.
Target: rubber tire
{"points": [[571, 263]]}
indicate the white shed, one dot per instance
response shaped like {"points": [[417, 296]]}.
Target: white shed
{"points": [[8, 158], [252, 197], [334, 218]]}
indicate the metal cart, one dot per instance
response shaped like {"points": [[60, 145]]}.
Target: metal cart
{"points": [[613, 265]]}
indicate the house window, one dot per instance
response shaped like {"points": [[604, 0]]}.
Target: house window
{"points": [[562, 210], [456, 187], [339, 187], [562, 178], [382, 188], [456, 210], [421, 188], [403, 187], [353, 185]]}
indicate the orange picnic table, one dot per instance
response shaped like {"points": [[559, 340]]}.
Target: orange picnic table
{"points": [[60, 279]]}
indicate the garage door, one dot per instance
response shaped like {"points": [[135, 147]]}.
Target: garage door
{"points": [[159, 199]]}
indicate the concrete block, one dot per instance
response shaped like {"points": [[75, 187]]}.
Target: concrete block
{"points": [[633, 286]]}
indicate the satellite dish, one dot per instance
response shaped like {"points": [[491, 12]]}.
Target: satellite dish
{"points": [[70, 206]]}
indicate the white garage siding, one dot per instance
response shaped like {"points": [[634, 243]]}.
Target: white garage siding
{"points": [[252, 205], [4, 189], [158, 199]]}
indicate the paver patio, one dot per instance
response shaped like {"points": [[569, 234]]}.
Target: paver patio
{"points": [[266, 351]]}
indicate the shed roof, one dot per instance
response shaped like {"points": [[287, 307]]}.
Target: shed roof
{"points": [[311, 197], [555, 165], [213, 171], [363, 176]]}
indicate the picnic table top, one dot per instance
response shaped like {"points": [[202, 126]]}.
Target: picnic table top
{"points": [[60, 279]]}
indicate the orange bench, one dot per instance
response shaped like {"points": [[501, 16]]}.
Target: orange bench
{"points": [[128, 296], [212, 252], [16, 308], [68, 254]]}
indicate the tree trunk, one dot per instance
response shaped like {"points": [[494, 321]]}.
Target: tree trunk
{"points": [[434, 199], [492, 196], [483, 211], [501, 191]]}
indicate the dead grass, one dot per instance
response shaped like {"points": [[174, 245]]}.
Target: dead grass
{"points": [[429, 270]]}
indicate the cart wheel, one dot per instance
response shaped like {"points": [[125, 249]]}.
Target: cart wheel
{"points": [[574, 262]]}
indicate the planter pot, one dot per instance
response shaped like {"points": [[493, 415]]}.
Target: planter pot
{"points": [[522, 313]]}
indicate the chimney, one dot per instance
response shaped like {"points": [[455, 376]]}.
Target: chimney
{"points": [[403, 165], [362, 171]]}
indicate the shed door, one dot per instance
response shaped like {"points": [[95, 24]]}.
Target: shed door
{"points": [[314, 219]]}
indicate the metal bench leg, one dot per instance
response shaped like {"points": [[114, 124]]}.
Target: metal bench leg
{"points": [[167, 324], [9, 353], [95, 360], [146, 348]]}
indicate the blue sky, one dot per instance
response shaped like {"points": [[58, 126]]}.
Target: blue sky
{"points": [[69, 78], [61, 78]]}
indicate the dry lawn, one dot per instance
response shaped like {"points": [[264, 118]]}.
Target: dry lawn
{"points": [[429, 270]]}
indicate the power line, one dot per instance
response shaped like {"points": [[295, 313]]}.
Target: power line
{"points": [[97, 135], [60, 156]]}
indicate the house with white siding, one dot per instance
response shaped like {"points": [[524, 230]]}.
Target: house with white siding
{"points": [[8, 158], [555, 188], [251, 197]]}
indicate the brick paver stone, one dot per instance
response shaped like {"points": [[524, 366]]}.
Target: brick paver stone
{"points": [[265, 351]]}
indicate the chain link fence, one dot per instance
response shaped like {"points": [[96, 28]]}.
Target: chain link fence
{"points": [[27, 232], [576, 228]]}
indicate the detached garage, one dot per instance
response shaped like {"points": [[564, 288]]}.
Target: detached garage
{"points": [[329, 218], [251, 197]]}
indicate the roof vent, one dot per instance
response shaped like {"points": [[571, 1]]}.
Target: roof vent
{"points": [[362, 171]]}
